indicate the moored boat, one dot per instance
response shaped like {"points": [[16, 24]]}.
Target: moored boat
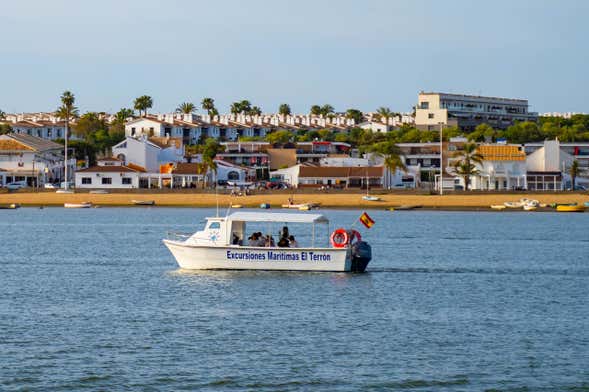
{"points": [[265, 206], [218, 246], [85, 204], [570, 208], [236, 206], [498, 207], [143, 202], [530, 207], [12, 206], [370, 198]]}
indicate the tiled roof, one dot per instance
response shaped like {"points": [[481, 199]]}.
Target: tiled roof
{"points": [[189, 168], [31, 142], [136, 167], [501, 153], [340, 171], [165, 142], [12, 145], [108, 169]]}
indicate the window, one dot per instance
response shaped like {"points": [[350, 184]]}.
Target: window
{"points": [[424, 105], [233, 175], [133, 131], [214, 226], [86, 180], [106, 181], [430, 115], [126, 181]]}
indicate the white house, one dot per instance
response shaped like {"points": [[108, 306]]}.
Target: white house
{"points": [[503, 168], [109, 173], [170, 125], [32, 159], [546, 165], [148, 154]]}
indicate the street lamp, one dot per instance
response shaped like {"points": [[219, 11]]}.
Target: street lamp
{"points": [[441, 124]]}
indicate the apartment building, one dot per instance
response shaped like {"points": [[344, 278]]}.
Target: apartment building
{"points": [[467, 111]]}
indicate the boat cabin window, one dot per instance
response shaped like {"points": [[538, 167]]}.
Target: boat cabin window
{"points": [[214, 226]]}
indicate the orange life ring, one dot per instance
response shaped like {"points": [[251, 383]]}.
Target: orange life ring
{"points": [[339, 238]]}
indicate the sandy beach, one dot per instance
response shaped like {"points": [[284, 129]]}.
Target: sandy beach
{"points": [[327, 200]]}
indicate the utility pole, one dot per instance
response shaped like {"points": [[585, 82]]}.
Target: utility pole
{"points": [[441, 124]]}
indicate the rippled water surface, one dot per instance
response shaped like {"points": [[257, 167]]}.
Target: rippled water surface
{"points": [[452, 301]]}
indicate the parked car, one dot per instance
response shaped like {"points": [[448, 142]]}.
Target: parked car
{"points": [[16, 185]]}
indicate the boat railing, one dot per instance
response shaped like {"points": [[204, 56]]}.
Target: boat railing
{"points": [[177, 236]]}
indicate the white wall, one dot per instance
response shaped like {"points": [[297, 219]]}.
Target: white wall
{"points": [[116, 178]]}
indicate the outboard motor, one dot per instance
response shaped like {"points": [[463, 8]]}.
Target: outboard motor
{"points": [[361, 256]]}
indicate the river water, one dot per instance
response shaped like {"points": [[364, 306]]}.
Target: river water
{"points": [[452, 301]]}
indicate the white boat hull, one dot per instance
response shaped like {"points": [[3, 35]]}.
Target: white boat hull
{"points": [[198, 257]]}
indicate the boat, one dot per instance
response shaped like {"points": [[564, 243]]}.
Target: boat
{"points": [[12, 206], [304, 207], [407, 207], [265, 206], [498, 206], [217, 246], [99, 192], [530, 207], [513, 204], [370, 198], [556, 205], [236, 206], [85, 204], [143, 202], [298, 206], [570, 208]]}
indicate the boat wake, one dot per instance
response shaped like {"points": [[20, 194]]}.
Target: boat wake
{"points": [[490, 271]]}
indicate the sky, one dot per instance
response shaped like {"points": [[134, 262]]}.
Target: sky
{"points": [[351, 54]]}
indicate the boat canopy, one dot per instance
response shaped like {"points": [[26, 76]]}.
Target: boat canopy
{"points": [[276, 217]]}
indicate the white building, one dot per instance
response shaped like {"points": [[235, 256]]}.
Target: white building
{"points": [[146, 154], [109, 173], [546, 165], [32, 159], [468, 111]]}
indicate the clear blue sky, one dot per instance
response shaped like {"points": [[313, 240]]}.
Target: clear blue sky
{"points": [[361, 54]]}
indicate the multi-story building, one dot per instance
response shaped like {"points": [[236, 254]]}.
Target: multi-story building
{"points": [[467, 111], [32, 159]]}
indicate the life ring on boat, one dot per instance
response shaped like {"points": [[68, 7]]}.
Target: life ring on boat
{"points": [[339, 238]]}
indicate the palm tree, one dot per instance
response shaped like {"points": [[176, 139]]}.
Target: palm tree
{"points": [[255, 111], [235, 108], [326, 109], [466, 164], [574, 173], [208, 104], [245, 106], [67, 111], [122, 115], [284, 109], [385, 113], [186, 108], [391, 154], [143, 103], [315, 110], [2, 115], [355, 114]]}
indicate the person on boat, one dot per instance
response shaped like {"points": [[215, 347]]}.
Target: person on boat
{"points": [[270, 241], [284, 233], [283, 243], [292, 243], [236, 240], [253, 240]]}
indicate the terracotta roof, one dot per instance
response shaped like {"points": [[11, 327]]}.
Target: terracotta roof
{"points": [[12, 145], [107, 169], [136, 167], [501, 153], [340, 171], [165, 142], [189, 168], [32, 143]]}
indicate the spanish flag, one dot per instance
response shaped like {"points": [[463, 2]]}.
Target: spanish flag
{"points": [[366, 220]]}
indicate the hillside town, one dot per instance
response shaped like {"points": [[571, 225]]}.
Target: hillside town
{"points": [[449, 142]]}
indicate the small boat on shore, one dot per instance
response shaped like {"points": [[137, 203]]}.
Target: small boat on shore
{"points": [[236, 206], [12, 206], [265, 206], [498, 207], [298, 206], [143, 202], [370, 198], [407, 207], [219, 246], [85, 204], [570, 208], [530, 207]]}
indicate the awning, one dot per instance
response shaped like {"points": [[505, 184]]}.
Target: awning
{"points": [[280, 217]]}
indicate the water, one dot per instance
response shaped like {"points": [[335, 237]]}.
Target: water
{"points": [[453, 301]]}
